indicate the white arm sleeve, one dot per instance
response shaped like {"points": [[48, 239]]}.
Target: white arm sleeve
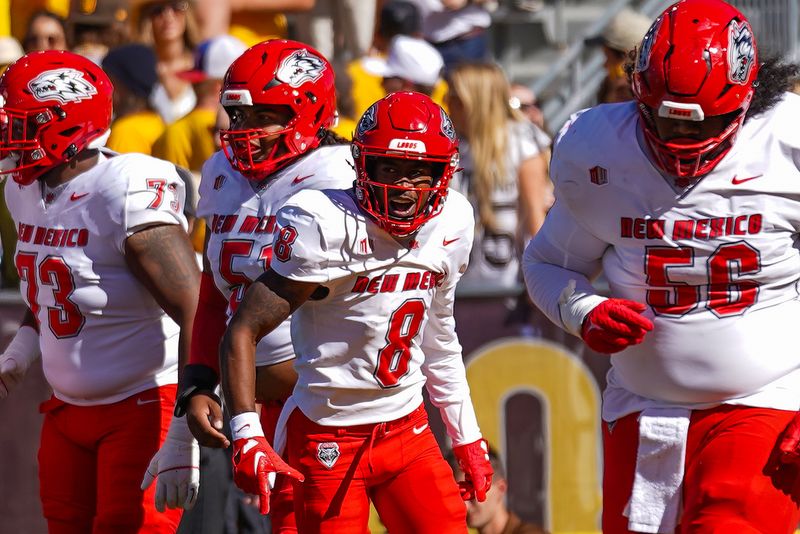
{"points": [[444, 370], [557, 264]]}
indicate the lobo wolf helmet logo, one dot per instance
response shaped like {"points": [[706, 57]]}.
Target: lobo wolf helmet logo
{"points": [[299, 67], [64, 85], [328, 453], [447, 126], [367, 122], [643, 54], [741, 52]]}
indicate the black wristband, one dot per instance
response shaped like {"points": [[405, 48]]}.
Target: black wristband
{"points": [[196, 379]]}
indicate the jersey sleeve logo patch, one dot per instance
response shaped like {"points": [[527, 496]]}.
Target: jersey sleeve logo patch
{"points": [[300, 67], [328, 453], [598, 175], [64, 85]]}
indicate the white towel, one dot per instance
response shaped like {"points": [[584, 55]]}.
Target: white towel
{"points": [[655, 503]]}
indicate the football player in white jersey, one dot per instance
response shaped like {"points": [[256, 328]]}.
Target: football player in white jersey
{"points": [[281, 101], [107, 271], [369, 274], [688, 199]]}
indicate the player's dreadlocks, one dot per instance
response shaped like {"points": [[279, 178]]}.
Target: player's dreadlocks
{"points": [[775, 77]]}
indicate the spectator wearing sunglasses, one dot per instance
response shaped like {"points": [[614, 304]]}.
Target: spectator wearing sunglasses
{"points": [[46, 31], [171, 29]]}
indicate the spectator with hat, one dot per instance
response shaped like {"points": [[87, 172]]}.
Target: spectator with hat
{"points": [[132, 69], [618, 39], [412, 64]]}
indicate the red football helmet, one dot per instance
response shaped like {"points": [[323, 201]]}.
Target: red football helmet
{"points": [[54, 105], [697, 60], [408, 126], [278, 72]]}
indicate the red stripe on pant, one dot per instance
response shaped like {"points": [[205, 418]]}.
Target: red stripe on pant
{"points": [[409, 482], [92, 460]]}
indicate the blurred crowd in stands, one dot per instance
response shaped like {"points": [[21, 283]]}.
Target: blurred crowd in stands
{"points": [[167, 59]]}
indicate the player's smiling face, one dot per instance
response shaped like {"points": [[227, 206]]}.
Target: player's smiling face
{"points": [[271, 120], [408, 184]]}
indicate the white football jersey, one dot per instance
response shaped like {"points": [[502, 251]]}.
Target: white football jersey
{"points": [[717, 263], [385, 324], [240, 220], [103, 336]]}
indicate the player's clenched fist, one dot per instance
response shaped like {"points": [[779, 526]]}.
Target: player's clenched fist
{"points": [[255, 464], [614, 325], [473, 459]]}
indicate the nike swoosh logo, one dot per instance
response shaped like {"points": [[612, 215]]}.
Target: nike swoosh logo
{"points": [[140, 402], [298, 179], [446, 241], [419, 429], [258, 456], [737, 181], [74, 196]]}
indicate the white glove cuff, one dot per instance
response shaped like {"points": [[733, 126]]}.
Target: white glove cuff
{"points": [[574, 306], [24, 348], [179, 430], [246, 425]]}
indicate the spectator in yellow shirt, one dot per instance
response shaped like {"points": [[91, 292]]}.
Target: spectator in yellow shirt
{"points": [[132, 69], [189, 141]]}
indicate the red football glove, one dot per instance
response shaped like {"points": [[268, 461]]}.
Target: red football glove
{"points": [[473, 459], [614, 325], [789, 445], [255, 465]]}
